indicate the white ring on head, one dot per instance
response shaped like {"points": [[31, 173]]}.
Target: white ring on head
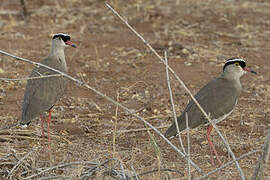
{"points": [[232, 60], [61, 34]]}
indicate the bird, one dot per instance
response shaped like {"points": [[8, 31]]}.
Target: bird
{"points": [[218, 98], [41, 94]]}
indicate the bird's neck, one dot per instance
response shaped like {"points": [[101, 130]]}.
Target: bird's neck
{"points": [[234, 79], [59, 54]]}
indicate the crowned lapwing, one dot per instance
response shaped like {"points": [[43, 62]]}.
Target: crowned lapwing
{"points": [[218, 98], [41, 94]]}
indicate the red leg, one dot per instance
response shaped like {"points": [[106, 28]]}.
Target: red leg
{"points": [[209, 129], [211, 145], [49, 138], [42, 129]]}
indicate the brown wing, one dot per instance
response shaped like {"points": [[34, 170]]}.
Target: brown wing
{"points": [[41, 94], [218, 97]]}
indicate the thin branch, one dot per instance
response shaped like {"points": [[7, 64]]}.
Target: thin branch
{"points": [[3, 172], [103, 164], [6, 157], [228, 164], [135, 130], [17, 158], [9, 126], [115, 123], [262, 161], [116, 174], [162, 169], [253, 99], [18, 164], [30, 78], [184, 86], [109, 99], [188, 141], [39, 64], [135, 174], [53, 177], [172, 102], [61, 166], [122, 170]]}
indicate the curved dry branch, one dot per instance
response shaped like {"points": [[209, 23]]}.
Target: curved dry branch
{"points": [[262, 161]]}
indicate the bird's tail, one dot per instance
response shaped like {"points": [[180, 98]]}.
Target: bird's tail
{"points": [[172, 131], [24, 122]]}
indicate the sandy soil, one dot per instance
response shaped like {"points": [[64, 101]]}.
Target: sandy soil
{"points": [[199, 36]]}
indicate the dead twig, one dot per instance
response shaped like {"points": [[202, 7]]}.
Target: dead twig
{"points": [[135, 174], [61, 166], [115, 123], [122, 170], [228, 164], [17, 158], [135, 130], [162, 169], [9, 126], [16, 137], [4, 172], [262, 161], [188, 154], [53, 177], [116, 174], [5, 157], [7, 163], [91, 170], [30, 78], [18, 164], [172, 103]]}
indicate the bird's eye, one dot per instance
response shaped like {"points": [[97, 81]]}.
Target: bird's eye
{"points": [[236, 63]]}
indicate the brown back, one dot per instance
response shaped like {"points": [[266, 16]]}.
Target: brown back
{"points": [[41, 94], [218, 97]]}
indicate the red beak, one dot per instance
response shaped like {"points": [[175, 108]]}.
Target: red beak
{"points": [[249, 70], [70, 44]]}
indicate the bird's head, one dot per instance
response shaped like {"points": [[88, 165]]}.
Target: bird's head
{"points": [[236, 67], [62, 40]]}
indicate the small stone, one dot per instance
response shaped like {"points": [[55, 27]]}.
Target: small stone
{"points": [[188, 63], [2, 71], [185, 51]]}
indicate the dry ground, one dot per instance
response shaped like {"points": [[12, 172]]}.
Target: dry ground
{"points": [[199, 35]]}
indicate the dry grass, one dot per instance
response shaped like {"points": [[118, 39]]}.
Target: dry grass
{"points": [[102, 140]]}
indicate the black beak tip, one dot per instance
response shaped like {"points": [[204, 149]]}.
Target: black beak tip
{"points": [[253, 72], [73, 45]]}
